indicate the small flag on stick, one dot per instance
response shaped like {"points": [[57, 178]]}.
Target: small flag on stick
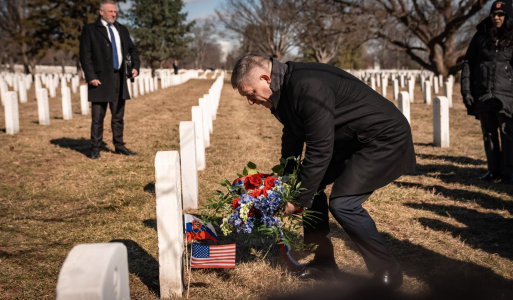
{"points": [[195, 229], [213, 256]]}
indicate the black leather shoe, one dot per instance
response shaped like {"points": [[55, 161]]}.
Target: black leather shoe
{"points": [[489, 176], [392, 279], [507, 179], [95, 154], [124, 150], [318, 272]]}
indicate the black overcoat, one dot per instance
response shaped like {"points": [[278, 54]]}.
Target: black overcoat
{"points": [[96, 60], [354, 137]]}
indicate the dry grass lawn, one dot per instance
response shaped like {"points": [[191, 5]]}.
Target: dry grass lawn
{"points": [[450, 231]]}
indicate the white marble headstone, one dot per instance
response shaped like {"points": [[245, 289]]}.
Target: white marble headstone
{"points": [[441, 122], [67, 113], [411, 89], [197, 118], [12, 118], [43, 106], [135, 88], [189, 165], [384, 86], [170, 228], [404, 104], [95, 271], [84, 102], [396, 89], [22, 90], [448, 91], [427, 92]]}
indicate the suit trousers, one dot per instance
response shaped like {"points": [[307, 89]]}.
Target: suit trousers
{"points": [[99, 110], [498, 142], [357, 223]]}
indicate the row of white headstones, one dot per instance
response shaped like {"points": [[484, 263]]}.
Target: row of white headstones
{"points": [[429, 84], [100, 271], [46, 85]]}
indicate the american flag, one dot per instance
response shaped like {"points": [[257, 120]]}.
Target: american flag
{"points": [[213, 256]]}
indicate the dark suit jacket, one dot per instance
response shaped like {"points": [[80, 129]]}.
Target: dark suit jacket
{"points": [[96, 60], [354, 137]]}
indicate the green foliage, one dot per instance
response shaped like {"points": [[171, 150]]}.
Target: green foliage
{"points": [[160, 30], [58, 24]]}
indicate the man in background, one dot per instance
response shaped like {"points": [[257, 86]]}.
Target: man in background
{"points": [[175, 66], [104, 45]]}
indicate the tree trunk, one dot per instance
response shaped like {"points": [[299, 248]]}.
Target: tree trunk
{"points": [[26, 61], [11, 64], [79, 68], [438, 60], [33, 68], [63, 65]]}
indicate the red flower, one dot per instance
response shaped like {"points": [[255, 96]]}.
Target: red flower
{"points": [[269, 181], [256, 192], [254, 211], [252, 181], [235, 203], [251, 212], [265, 189]]}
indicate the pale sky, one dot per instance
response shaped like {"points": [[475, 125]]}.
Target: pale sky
{"points": [[196, 9], [203, 9], [200, 9]]}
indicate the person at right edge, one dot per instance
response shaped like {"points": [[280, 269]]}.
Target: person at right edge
{"points": [[487, 88]]}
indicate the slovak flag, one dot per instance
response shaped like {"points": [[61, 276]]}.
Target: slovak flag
{"points": [[195, 229]]}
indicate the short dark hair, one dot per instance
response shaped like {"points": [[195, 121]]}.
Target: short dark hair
{"points": [[245, 65]]}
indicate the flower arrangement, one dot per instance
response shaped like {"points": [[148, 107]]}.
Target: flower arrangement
{"points": [[255, 202]]}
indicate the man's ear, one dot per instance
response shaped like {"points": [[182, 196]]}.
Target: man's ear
{"points": [[266, 78]]}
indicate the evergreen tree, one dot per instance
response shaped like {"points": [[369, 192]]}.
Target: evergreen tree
{"points": [[57, 24], [160, 30]]}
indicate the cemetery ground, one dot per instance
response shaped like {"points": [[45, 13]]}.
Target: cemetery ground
{"points": [[450, 231]]}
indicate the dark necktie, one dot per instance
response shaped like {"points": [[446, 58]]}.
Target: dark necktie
{"points": [[114, 48]]}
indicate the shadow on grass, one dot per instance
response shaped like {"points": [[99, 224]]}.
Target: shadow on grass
{"points": [[81, 145], [454, 159], [447, 279], [150, 188], [461, 175], [142, 265], [450, 278], [486, 231], [461, 195], [150, 223]]}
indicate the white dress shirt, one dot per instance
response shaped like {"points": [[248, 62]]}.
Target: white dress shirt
{"points": [[118, 40]]}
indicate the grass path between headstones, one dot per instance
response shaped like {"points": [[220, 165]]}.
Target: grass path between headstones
{"points": [[449, 230]]}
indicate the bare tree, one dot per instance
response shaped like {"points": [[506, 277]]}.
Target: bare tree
{"points": [[325, 29], [213, 55], [203, 34], [426, 30], [264, 26]]}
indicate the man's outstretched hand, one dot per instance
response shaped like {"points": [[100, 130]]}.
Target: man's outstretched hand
{"points": [[290, 208]]}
